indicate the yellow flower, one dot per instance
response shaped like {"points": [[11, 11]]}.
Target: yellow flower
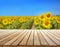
{"points": [[26, 19], [10, 22], [21, 20], [48, 15], [11, 19], [58, 20], [36, 22], [35, 17], [5, 21], [46, 24], [56, 17], [42, 17]]}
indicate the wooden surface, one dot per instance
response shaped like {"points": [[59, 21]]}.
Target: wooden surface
{"points": [[29, 38]]}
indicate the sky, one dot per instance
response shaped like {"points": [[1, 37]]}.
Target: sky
{"points": [[29, 7]]}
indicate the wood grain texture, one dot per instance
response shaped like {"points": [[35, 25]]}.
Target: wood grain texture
{"points": [[29, 38]]}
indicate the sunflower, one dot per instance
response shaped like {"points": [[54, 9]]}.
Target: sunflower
{"points": [[10, 22], [5, 21], [48, 15], [46, 24], [58, 20], [11, 19], [36, 22], [26, 19], [35, 18], [21, 20], [55, 17], [42, 17]]}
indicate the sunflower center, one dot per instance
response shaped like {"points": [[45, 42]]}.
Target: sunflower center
{"points": [[48, 15], [46, 23], [42, 17], [36, 21], [59, 20], [11, 19], [4, 21]]}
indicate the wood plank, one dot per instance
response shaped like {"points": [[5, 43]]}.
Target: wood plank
{"points": [[10, 46], [30, 40], [29, 46], [36, 39], [5, 34], [55, 33], [53, 38], [2, 33], [14, 39], [48, 40], [24, 41], [1, 46], [20, 38], [6, 39], [42, 39]]}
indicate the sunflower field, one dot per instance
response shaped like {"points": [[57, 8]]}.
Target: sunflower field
{"points": [[43, 21]]}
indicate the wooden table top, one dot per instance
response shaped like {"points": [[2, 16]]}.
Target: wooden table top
{"points": [[26, 38]]}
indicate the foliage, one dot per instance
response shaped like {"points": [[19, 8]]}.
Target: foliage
{"points": [[43, 21]]}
